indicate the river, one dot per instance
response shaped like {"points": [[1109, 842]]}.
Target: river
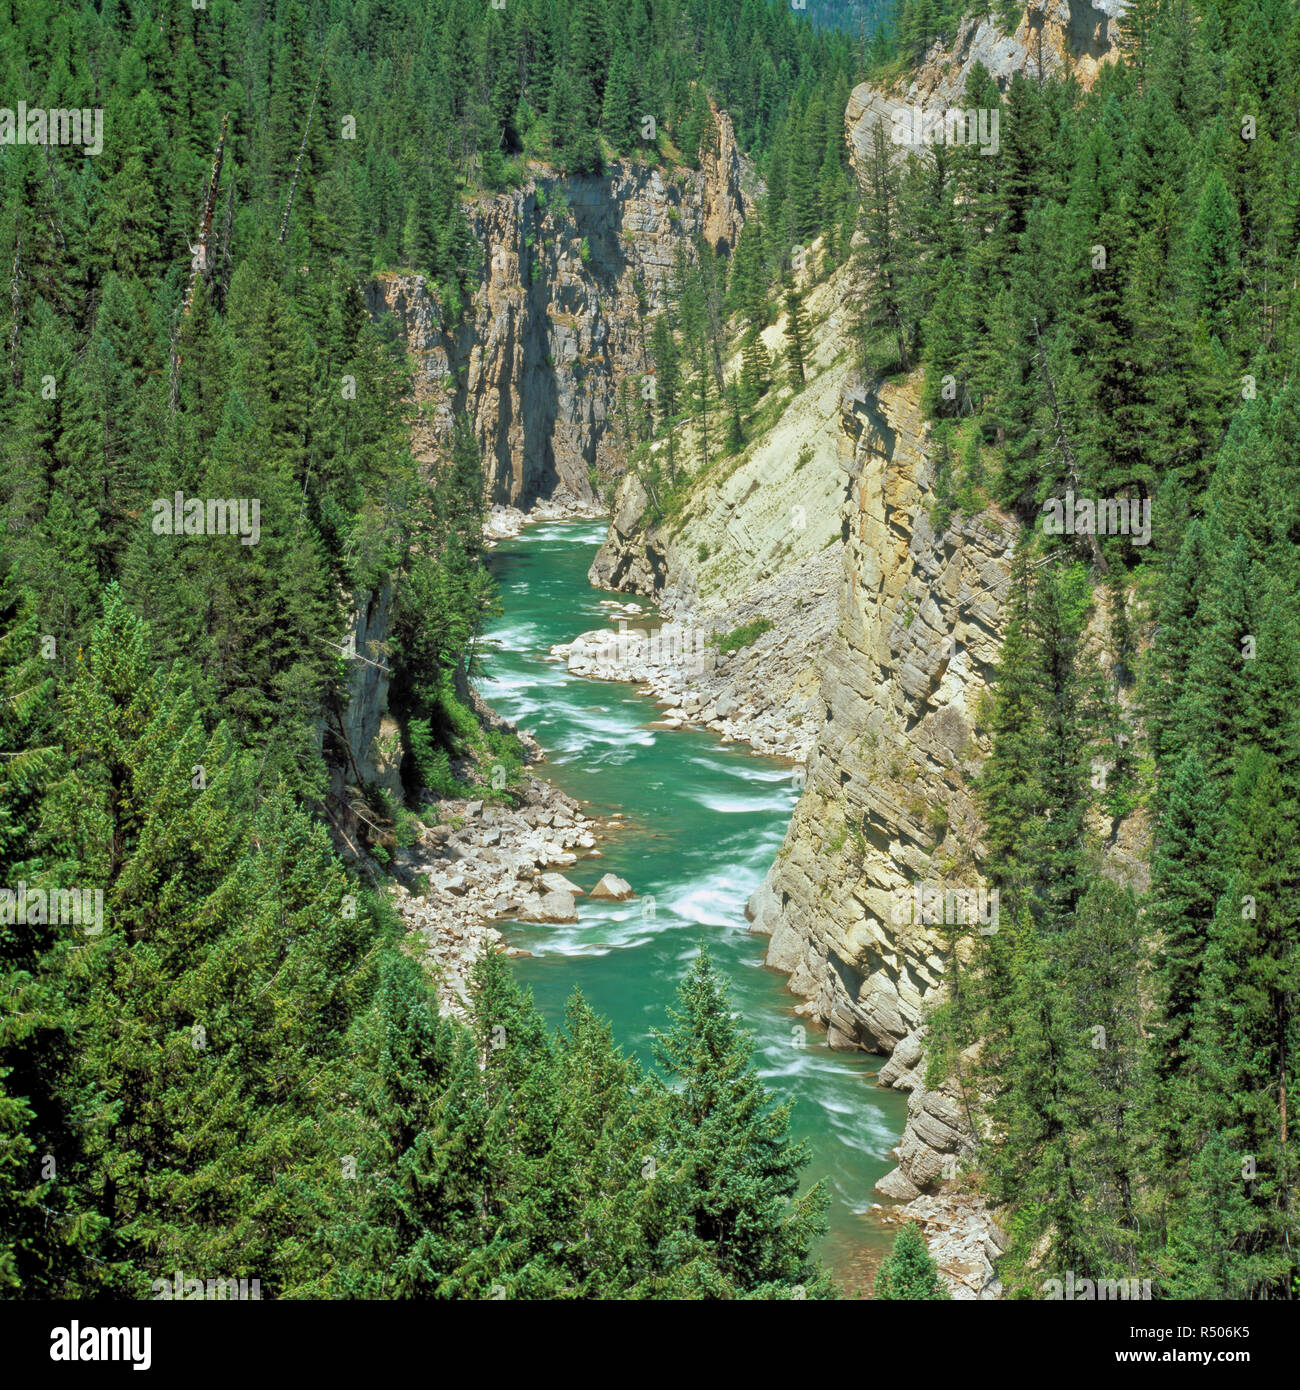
{"points": [[704, 822]]}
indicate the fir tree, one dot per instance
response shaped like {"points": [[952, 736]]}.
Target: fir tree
{"points": [[909, 1270]]}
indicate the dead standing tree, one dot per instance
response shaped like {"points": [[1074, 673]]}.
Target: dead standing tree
{"points": [[302, 150], [200, 260]]}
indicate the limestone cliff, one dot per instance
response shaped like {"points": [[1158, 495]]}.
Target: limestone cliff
{"points": [[1051, 38], [755, 539], [572, 269], [887, 802]]}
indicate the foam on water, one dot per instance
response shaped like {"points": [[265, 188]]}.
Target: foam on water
{"points": [[731, 805], [703, 823]]}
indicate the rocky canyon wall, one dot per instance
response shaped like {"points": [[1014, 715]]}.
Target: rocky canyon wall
{"points": [[573, 269], [1051, 38], [888, 802]]}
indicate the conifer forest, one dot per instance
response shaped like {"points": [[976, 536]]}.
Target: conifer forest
{"points": [[650, 652]]}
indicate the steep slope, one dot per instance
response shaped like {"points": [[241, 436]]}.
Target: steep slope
{"points": [[887, 800], [755, 540], [1051, 38], [887, 803], [571, 270], [902, 661]]}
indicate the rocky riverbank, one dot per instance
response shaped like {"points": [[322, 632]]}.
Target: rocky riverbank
{"points": [[505, 523], [763, 693], [483, 863], [964, 1239]]}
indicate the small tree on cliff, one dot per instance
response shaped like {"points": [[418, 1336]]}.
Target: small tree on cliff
{"points": [[756, 364], [909, 1270]]}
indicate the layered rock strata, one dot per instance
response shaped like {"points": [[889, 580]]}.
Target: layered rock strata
{"points": [[573, 269], [1051, 38]]}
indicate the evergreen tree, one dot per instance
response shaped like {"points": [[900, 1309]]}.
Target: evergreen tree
{"points": [[733, 1152], [796, 335], [909, 1270]]}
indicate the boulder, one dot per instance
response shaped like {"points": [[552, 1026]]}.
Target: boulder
{"points": [[557, 883], [551, 907], [897, 1185], [613, 888]]}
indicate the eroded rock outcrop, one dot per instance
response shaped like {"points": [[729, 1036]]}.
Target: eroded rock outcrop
{"points": [[572, 270], [362, 739], [888, 802], [1051, 37]]}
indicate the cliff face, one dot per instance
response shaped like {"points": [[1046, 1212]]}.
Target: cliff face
{"points": [[1051, 38], [572, 269], [887, 801], [757, 515], [755, 540]]}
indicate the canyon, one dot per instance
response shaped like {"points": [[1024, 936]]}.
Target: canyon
{"points": [[882, 629]]}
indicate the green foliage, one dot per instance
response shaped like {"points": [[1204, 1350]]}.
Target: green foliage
{"points": [[353, 1142], [747, 1235], [909, 1270], [744, 636]]}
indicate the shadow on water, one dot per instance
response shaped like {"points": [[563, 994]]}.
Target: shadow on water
{"points": [[704, 822]]}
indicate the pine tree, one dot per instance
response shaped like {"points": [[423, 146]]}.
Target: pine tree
{"points": [[755, 368], [618, 120], [796, 336], [1231, 1232], [884, 334], [1214, 238], [732, 1150], [909, 1270]]}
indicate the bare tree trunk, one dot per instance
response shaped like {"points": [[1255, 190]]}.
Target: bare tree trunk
{"points": [[199, 265], [199, 261], [16, 307], [302, 150]]}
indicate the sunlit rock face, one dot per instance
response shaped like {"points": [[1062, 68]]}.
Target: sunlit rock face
{"points": [[572, 270], [1050, 37]]}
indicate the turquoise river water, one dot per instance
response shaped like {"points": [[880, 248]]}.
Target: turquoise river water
{"points": [[704, 822]]}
